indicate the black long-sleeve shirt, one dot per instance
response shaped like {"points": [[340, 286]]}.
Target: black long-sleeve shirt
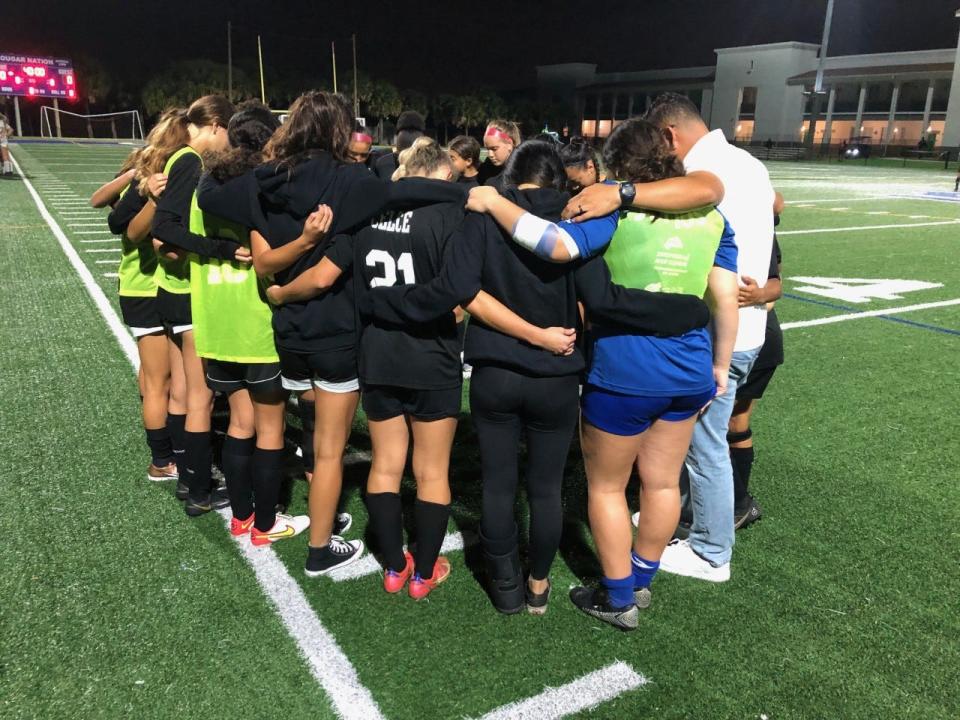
{"points": [[171, 222], [126, 209]]}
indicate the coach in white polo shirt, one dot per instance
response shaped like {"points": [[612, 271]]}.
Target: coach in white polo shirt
{"points": [[717, 172]]}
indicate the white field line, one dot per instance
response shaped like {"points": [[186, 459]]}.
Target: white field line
{"points": [[80, 172], [85, 224], [102, 240], [99, 232], [111, 275], [868, 227], [574, 697], [106, 262], [103, 250], [368, 564], [327, 662], [862, 198], [867, 314]]}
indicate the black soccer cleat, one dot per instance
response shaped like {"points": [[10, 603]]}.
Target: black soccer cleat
{"points": [[194, 507], [750, 514], [596, 603]]}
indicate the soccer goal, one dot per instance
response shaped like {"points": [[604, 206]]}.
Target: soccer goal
{"points": [[57, 123]]}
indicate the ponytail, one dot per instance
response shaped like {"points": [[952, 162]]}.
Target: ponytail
{"points": [[167, 136]]}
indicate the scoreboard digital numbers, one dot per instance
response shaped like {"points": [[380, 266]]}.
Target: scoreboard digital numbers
{"points": [[37, 77]]}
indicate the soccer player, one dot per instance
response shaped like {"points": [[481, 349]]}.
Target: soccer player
{"points": [[361, 141], [418, 399], [581, 163], [647, 418], [5, 132], [410, 126], [233, 333], [465, 156], [500, 138], [305, 191], [178, 231], [517, 388], [130, 218]]}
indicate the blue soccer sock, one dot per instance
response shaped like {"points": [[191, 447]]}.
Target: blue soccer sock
{"points": [[620, 591], [643, 571]]}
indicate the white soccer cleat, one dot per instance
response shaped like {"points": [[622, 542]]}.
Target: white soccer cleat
{"points": [[285, 526], [680, 559]]}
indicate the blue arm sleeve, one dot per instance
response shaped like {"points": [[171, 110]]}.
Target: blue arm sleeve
{"points": [[726, 256], [593, 235]]}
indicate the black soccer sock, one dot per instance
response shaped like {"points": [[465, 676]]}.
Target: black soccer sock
{"points": [[237, 465], [431, 521], [267, 475], [386, 522], [161, 449], [742, 461], [306, 410], [175, 426], [197, 459]]}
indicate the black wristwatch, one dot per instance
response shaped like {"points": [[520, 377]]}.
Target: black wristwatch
{"points": [[627, 193]]}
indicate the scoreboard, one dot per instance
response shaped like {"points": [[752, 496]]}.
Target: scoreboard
{"points": [[37, 77]]}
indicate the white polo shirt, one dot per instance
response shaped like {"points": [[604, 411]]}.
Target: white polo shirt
{"points": [[748, 206]]}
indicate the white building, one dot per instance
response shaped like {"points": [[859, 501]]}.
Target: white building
{"points": [[762, 92]]}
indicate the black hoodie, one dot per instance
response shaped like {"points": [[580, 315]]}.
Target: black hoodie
{"points": [[483, 256]]}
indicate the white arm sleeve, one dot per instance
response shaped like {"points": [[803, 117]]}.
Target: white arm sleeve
{"points": [[541, 236]]}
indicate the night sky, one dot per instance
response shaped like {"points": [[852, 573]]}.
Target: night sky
{"points": [[454, 46]]}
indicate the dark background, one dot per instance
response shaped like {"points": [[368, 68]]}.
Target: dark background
{"points": [[455, 45]]}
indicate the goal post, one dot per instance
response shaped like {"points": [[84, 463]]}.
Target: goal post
{"points": [[59, 123]]}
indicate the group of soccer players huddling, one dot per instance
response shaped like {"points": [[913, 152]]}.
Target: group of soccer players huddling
{"points": [[289, 264]]}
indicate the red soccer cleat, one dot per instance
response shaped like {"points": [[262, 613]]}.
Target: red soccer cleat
{"points": [[421, 587], [394, 581]]}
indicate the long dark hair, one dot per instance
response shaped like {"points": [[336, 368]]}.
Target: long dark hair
{"points": [[639, 151], [578, 152], [535, 162], [249, 130], [318, 122]]}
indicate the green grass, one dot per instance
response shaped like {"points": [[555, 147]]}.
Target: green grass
{"points": [[842, 602]]}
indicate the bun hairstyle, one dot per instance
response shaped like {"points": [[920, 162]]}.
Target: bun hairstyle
{"points": [[639, 151], [410, 126], [249, 130], [578, 152], [467, 148], [165, 138], [422, 158], [505, 126], [318, 122], [535, 162]]}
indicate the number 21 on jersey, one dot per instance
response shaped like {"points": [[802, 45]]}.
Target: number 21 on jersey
{"points": [[389, 268]]}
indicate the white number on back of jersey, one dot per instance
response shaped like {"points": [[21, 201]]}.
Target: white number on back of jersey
{"points": [[389, 268]]}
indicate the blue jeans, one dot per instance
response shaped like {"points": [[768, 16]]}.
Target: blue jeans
{"points": [[711, 475]]}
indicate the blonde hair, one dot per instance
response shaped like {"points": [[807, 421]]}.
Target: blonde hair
{"points": [[506, 126], [167, 136], [424, 157]]}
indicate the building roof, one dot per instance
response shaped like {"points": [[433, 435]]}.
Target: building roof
{"points": [[891, 72]]}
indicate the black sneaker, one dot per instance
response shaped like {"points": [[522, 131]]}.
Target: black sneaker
{"points": [[750, 514], [683, 531], [596, 603], [213, 501], [537, 602], [341, 523], [337, 553]]}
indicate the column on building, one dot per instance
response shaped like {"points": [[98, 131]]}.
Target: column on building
{"points": [[951, 130], [888, 133], [630, 105], [596, 125], [927, 107], [861, 103], [828, 122], [613, 110]]}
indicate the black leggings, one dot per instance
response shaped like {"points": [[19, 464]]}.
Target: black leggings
{"points": [[504, 404]]}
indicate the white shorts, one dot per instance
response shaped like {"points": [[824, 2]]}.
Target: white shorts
{"points": [[177, 329], [139, 332], [339, 388]]}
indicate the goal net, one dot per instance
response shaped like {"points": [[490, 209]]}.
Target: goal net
{"points": [[57, 123]]}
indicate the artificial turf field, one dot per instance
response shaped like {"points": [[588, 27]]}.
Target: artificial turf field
{"points": [[843, 600]]}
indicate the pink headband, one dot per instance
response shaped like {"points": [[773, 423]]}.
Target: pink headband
{"points": [[494, 132], [361, 137]]}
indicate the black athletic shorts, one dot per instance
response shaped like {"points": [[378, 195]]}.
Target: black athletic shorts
{"points": [[756, 382], [141, 315], [174, 309], [258, 378], [383, 402], [332, 370]]}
